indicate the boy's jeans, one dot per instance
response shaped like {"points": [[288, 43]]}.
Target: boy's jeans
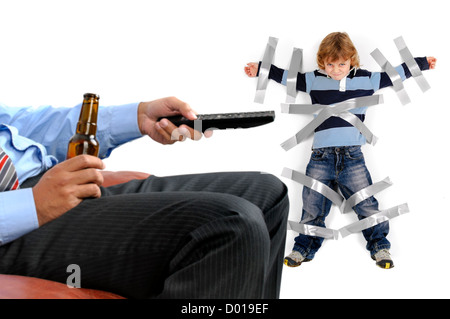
{"points": [[342, 167]]}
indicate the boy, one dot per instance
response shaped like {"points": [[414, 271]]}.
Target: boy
{"points": [[336, 158]]}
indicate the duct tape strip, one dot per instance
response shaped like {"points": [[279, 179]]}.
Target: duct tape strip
{"points": [[373, 220], [356, 122], [412, 64], [315, 231], [327, 112], [294, 69], [365, 101], [264, 70], [393, 75], [314, 185], [291, 108], [364, 194]]}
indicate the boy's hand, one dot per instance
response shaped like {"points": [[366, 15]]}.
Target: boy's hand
{"points": [[432, 62], [251, 69]]}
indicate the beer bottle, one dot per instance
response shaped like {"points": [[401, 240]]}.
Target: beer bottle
{"points": [[84, 140]]}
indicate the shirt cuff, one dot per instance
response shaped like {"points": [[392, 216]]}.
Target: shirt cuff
{"points": [[119, 125], [124, 123], [17, 214]]}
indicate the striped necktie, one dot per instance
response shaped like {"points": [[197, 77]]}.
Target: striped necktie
{"points": [[8, 176]]}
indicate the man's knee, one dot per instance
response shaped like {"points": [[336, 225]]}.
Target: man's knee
{"points": [[229, 214], [266, 186], [270, 183]]}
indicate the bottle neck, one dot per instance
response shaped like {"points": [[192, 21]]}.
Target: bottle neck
{"points": [[87, 123], [86, 128]]}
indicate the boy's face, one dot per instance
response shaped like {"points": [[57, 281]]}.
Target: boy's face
{"points": [[337, 70]]}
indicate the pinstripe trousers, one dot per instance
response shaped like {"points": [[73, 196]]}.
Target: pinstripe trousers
{"points": [[215, 235]]}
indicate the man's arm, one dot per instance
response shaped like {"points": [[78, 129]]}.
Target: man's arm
{"points": [[17, 214], [53, 127]]}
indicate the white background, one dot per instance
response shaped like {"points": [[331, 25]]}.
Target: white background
{"points": [[52, 52]]}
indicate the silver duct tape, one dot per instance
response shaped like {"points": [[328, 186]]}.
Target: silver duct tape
{"points": [[408, 58], [325, 113], [307, 130], [314, 185], [291, 108], [365, 101], [374, 220], [362, 102], [314, 231], [364, 194], [356, 122], [290, 143], [294, 69], [371, 221], [264, 70], [393, 75]]}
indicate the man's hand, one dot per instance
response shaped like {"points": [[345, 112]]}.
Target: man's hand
{"points": [[164, 131], [65, 185]]}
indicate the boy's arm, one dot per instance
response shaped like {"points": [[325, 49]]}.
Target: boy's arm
{"points": [[423, 63], [277, 74]]}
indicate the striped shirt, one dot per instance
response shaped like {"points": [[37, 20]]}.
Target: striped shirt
{"points": [[323, 90]]}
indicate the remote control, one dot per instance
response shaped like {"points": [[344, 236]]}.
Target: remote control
{"points": [[224, 120]]}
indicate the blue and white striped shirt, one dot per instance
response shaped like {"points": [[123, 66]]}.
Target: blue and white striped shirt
{"points": [[323, 90]]}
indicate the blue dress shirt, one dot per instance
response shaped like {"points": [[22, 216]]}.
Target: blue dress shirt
{"points": [[36, 139]]}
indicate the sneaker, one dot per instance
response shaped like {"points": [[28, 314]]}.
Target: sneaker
{"points": [[383, 259], [294, 259]]}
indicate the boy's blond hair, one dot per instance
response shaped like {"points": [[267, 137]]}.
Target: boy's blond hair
{"points": [[335, 46]]}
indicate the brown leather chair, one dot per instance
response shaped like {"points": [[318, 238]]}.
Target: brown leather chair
{"points": [[22, 287]]}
